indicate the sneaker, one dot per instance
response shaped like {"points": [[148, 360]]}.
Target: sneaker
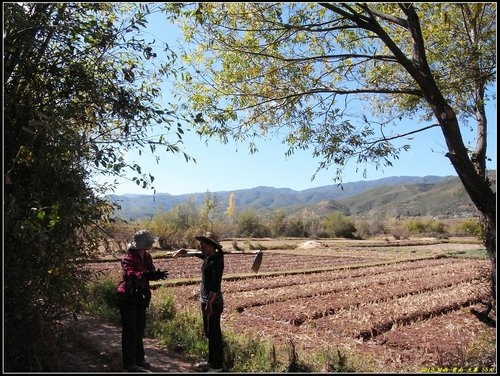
{"points": [[214, 370], [202, 365], [144, 364]]}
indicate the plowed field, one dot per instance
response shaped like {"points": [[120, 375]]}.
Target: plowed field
{"points": [[387, 306]]}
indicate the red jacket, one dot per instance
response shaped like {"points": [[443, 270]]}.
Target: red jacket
{"points": [[133, 268]]}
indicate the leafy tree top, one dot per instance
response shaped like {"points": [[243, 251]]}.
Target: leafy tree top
{"points": [[317, 71]]}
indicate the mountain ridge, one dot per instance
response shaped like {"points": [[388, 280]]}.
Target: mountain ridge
{"points": [[395, 196]]}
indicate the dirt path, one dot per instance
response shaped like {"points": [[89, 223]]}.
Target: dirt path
{"points": [[95, 346]]}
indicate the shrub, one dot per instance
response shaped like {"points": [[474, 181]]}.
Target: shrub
{"points": [[366, 228], [295, 227], [338, 225], [397, 229], [471, 227], [423, 227], [249, 225], [100, 299]]}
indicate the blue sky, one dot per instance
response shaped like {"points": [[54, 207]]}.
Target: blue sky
{"points": [[229, 167]]}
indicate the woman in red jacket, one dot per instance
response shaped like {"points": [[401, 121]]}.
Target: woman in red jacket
{"points": [[134, 295]]}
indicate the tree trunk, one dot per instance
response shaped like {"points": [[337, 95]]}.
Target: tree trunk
{"points": [[477, 185], [490, 238]]}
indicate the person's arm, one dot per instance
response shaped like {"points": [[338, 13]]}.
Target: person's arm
{"points": [[188, 252], [216, 281]]}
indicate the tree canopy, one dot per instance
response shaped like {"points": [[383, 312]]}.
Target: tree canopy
{"points": [[81, 88], [318, 71]]}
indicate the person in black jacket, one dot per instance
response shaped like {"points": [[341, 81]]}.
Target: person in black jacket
{"points": [[211, 299], [134, 295]]}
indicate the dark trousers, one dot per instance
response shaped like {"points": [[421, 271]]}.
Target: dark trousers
{"points": [[133, 324], [211, 326]]}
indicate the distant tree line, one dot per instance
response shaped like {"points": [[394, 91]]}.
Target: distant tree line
{"points": [[178, 226]]}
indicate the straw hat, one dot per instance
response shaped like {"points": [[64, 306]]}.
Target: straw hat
{"points": [[211, 238]]}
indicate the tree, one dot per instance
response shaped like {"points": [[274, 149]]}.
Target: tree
{"points": [[263, 67], [80, 89], [249, 224], [338, 225], [278, 223], [230, 214], [231, 206], [210, 204]]}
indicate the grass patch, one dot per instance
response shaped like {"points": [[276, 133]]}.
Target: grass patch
{"points": [[332, 360], [245, 354], [101, 300], [183, 332], [471, 253], [256, 247]]}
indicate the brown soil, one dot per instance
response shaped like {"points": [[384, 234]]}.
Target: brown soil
{"points": [[93, 345], [411, 316]]}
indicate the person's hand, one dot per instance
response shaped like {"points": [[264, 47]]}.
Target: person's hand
{"points": [[155, 275], [208, 310], [160, 274]]}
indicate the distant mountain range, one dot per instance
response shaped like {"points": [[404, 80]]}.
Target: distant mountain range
{"points": [[440, 196]]}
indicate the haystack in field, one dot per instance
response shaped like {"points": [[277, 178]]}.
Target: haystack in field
{"points": [[312, 244]]}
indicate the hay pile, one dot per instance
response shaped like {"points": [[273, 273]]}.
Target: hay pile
{"points": [[311, 244]]}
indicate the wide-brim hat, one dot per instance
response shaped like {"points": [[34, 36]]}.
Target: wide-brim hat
{"points": [[211, 238], [142, 240]]}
